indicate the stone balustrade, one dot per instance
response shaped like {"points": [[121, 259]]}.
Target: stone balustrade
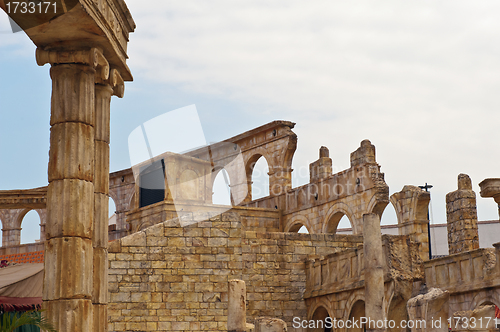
{"points": [[345, 270], [465, 271]]}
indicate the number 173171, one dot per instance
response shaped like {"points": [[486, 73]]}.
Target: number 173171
{"points": [[32, 7]]}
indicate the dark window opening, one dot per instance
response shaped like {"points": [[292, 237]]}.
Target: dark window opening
{"points": [[152, 184]]}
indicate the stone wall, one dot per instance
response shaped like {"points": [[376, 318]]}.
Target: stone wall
{"points": [[173, 278], [254, 219]]}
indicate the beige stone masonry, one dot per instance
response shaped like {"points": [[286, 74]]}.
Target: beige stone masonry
{"points": [[430, 308], [172, 278]]}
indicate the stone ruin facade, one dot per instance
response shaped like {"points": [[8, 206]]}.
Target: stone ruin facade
{"points": [[174, 261]]}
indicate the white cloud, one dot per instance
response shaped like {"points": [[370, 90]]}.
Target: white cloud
{"points": [[417, 78]]}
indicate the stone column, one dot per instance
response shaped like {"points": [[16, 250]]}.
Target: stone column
{"points": [[461, 215], [67, 291], [101, 190], [374, 270], [236, 312], [103, 92]]}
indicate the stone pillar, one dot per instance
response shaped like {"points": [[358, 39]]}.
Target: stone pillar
{"points": [[374, 269], [280, 180], [11, 237], [103, 95], [236, 312], [42, 213], [267, 324], [67, 291], [461, 215], [104, 89], [11, 229], [321, 168], [411, 205]]}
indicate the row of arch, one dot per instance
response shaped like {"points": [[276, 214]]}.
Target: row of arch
{"points": [[396, 311], [338, 216]]}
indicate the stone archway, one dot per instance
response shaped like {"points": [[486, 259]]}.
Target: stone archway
{"points": [[333, 216], [296, 223], [356, 314], [321, 320], [249, 170]]}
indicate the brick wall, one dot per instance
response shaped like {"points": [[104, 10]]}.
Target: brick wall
{"points": [[173, 278]]}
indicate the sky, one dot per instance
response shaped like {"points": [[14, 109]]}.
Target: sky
{"points": [[419, 79]]}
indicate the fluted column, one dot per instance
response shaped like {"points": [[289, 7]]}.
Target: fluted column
{"points": [[67, 291], [103, 92]]}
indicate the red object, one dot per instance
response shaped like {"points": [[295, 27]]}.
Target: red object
{"points": [[497, 312], [20, 303]]}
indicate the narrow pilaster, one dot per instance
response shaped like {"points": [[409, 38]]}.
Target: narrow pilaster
{"points": [[236, 307], [374, 270], [280, 180]]}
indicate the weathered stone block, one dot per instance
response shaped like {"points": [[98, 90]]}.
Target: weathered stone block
{"points": [[74, 215], [72, 315], [71, 153], [69, 259]]}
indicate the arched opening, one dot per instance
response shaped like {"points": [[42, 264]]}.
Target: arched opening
{"points": [[319, 321], [30, 227], [298, 228], [397, 313], [389, 216], [221, 190], [339, 221], [260, 178], [111, 211], [303, 230], [357, 312]]}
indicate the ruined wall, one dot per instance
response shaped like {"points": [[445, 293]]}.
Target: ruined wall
{"points": [[253, 219], [336, 281], [172, 278], [472, 278], [320, 205]]}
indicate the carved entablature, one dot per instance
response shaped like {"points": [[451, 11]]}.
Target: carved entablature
{"points": [[115, 20], [84, 24]]}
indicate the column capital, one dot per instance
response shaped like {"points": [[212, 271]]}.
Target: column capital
{"points": [[92, 57]]}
